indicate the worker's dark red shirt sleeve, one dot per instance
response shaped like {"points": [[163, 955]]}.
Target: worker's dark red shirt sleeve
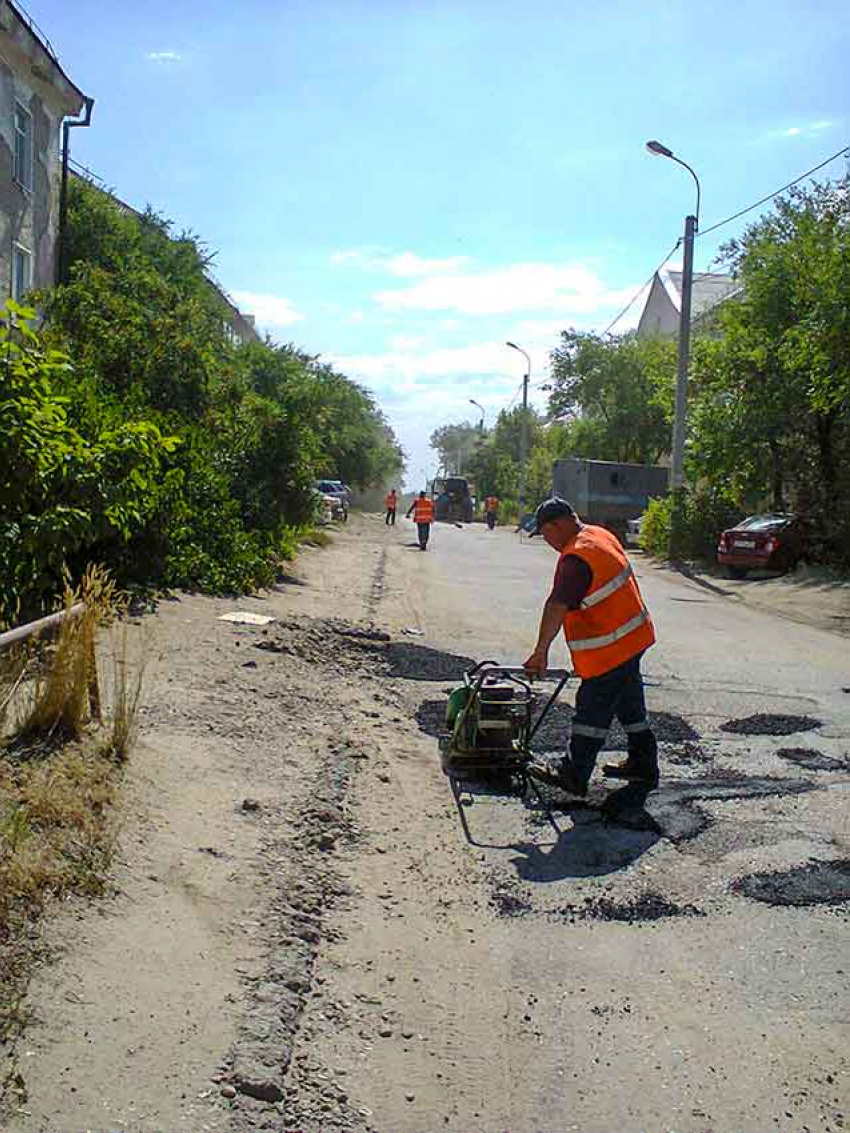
{"points": [[572, 581]]}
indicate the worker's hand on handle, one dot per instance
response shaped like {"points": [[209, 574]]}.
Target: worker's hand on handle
{"points": [[537, 664]]}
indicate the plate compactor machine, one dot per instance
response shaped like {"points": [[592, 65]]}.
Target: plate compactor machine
{"points": [[491, 722]]}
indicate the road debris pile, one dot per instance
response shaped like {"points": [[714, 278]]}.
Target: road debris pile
{"points": [[811, 759], [770, 724], [815, 883], [635, 910]]}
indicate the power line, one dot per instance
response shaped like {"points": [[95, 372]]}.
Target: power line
{"points": [[515, 396], [641, 289], [776, 193]]}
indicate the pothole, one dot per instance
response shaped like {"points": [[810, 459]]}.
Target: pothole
{"points": [[811, 758], [422, 663], [508, 902], [770, 724], [431, 717], [816, 883], [686, 754], [554, 731], [636, 910]]}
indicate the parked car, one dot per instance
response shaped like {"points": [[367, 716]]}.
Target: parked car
{"points": [[774, 541], [338, 496], [633, 527]]}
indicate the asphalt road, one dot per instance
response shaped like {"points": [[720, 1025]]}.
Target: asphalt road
{"points": [[595, 976]]}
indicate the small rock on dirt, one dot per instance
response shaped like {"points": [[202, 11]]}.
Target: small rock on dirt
{"points": [[228, 1091]]}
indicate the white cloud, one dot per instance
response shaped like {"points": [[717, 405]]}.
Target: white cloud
{"points": [[163, 56], [269, 310], [406, 265], [571, 288], [447, 363], [810, 130]]}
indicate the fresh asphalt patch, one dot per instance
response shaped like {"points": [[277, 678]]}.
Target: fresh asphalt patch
{"points": [[815, 883], [413, 662], [634, 910], [553, 734], [770, 724], [431, 717], [811, 759]]}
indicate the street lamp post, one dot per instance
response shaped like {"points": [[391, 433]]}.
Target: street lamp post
{"points": [[677, 455], [480, 408], [523, 436]]}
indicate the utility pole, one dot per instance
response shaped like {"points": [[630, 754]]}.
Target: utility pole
{"points": [[680, 416], [523, 436], [677, 451]]}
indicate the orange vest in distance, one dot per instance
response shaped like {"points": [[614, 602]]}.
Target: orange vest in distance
{"points": [[423, 510], [391, 502], [491, 504], [612, 625]]}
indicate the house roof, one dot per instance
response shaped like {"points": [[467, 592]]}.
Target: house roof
{"points": [[709, 289], [25, 32]]}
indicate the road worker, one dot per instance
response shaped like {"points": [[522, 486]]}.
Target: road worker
{"points": [[596, 601], [423, 516], [491, 511], [391, 504]]}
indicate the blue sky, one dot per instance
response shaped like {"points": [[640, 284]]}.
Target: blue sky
{"points": [[403, 186]]}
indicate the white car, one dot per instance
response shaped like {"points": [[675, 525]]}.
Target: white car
{"points": [[633, 527]]}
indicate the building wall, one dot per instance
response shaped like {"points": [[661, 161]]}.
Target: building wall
{"points": [[660, 316], [28, 217], [30, 75]]}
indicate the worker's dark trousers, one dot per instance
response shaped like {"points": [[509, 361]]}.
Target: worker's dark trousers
{"points": [[390, 520], [424, 530], [598, 700]]}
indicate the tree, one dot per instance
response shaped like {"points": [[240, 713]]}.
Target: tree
{"points": [[773, 407], [617, 390], [456, 446]]}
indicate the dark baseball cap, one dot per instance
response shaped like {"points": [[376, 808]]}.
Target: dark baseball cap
{"points": [[549, 510]]}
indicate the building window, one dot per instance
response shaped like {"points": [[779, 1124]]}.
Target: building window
{"points": [[23, 146], [21, 273]]}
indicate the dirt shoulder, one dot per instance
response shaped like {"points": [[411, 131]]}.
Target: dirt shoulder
{"points": [[808, 595], [186, 985]]}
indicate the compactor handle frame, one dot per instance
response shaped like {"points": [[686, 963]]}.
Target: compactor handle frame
{"points": [[476, 676]]}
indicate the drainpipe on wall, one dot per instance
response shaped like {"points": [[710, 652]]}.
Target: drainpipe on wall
{"points": [[61, 249]]}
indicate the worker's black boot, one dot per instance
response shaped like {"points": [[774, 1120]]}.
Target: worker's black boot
{"points": [[641, 764], [560, 773]]}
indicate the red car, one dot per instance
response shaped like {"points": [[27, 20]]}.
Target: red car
{"points": [[772, 542]]}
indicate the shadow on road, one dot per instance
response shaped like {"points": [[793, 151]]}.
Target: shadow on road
{"points": [[591, 847]]}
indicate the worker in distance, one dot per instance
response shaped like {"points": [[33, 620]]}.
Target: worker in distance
{"points": [[423, 516], [597, 603]]}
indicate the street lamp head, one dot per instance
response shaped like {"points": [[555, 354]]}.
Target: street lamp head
{"points": [[512, 345], [658, 149]]}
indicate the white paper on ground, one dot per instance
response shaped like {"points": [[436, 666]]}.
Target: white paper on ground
{"points": [[244, 617]]}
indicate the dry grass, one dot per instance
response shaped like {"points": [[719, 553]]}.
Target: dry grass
{"points": [[317, 537], [56, 838], [13, 666], [127, 680], [58, 780], [66, 690]]}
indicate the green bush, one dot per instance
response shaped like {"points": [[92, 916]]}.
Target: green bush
{"points": [[62, 493], [706, 511], [655, 529]]}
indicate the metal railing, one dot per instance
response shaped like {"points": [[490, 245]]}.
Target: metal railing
{"points": [[42, 625]]}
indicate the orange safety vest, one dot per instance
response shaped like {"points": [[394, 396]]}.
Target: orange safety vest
{"points": [[612, 625], [491, 503], [391, 501], [423, 510]]}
